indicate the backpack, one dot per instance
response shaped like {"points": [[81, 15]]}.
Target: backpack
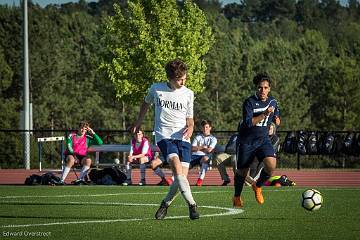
{"points": [[46, 179], [49, 179], [312, 142], [290, 143], [230, 147], [303, 137], [348, 144], [357, 144], [33, 180], [328, 145], [107, 176]]}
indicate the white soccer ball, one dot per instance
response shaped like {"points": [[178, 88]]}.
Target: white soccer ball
{"points": [[311, 200], [116, 161]]}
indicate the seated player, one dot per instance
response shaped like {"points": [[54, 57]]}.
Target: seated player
{"points": [[228, 157], [203, 146], [77, 144], [140, 153]]}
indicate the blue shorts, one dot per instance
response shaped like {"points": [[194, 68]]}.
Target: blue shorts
{"points": [[246, 153], [179, 147], [195, 160]]}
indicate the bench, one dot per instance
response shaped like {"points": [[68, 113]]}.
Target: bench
{"points": [[112, 148], [125, 148]]}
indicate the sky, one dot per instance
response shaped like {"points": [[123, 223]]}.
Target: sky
{"points": [[43, 3]]}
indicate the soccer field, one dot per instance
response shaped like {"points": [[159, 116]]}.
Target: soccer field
{"points": [[117, 212]]}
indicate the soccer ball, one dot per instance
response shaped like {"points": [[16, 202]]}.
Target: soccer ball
{"points": [[116, 161], [311, 200]]}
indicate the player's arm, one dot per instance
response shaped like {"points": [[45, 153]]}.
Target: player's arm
{"points": [[143, 109], [195, 146], [69, 144], [212, 146], [189, 129]]}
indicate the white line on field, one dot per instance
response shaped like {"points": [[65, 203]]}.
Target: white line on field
{"points": [[101, 195], [229, 211]]}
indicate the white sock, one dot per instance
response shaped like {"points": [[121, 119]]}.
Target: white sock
{"points": [[172, 193], [159, 172], [65, 173], [84, 172], [185, 190], [142, 171], [128, 171], [204, 168]]}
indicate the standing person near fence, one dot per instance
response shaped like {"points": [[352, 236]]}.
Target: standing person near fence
{"points": [[77, 144], [173, 128], [203, 146], [253, 140]]}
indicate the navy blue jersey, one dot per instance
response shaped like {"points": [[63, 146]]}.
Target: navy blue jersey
{"points": [[253, 107]]}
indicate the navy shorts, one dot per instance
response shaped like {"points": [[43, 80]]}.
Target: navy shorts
{"points": [[246, 153], [179, 147], [195, 160]]}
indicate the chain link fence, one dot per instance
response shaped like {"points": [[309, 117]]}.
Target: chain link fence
{"points": [[51, 152]]}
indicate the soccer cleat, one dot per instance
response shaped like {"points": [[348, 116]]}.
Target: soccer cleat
{"points": [[60, 183], [237, 202], [162, 211], [193, 213], [225, 183], [169, 181], [79, 182], [258, 194], [127, 182], [199, 182], [142, 182]]}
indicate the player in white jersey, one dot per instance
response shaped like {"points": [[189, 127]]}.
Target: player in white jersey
{"points": [[203, 146], [174, 126]]}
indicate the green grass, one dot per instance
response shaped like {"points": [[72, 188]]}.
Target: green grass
{"points": [[116, 212]]}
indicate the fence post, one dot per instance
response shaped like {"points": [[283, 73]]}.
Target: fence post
{"points": [[298, 161]]}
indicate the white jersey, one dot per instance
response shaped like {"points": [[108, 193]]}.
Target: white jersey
{"points": [[201, 140], [172, 108]]}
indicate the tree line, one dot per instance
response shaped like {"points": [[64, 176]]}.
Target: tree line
{"points": [[310, 48]]}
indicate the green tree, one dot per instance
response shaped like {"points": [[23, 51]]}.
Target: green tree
{"points": [[141, 39], [339, 99]]}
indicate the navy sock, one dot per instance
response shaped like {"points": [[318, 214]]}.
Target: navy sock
{"points": [[238, 184], [262, 178]]}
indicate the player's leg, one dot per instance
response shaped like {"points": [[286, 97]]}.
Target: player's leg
{"points": [[155, 165], [174, 150], [245, 155], [204, 165], [143, 161], [266, 154], [86, 164], [70, 160], [220, 161]]}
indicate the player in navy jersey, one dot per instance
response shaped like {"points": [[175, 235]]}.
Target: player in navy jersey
{"points": [[258, 112]]}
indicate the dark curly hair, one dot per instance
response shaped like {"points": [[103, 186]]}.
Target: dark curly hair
{"points": [[261, 77], [175, 69]]}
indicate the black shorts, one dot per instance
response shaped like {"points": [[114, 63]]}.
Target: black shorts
{"points": [[246, 153]]}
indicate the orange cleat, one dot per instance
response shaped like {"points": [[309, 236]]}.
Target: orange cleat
{"points": [[258, 194], [199, 182], [238, 202]]}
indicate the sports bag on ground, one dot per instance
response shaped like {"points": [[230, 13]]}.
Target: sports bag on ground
{"points": [[107, 176]]}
